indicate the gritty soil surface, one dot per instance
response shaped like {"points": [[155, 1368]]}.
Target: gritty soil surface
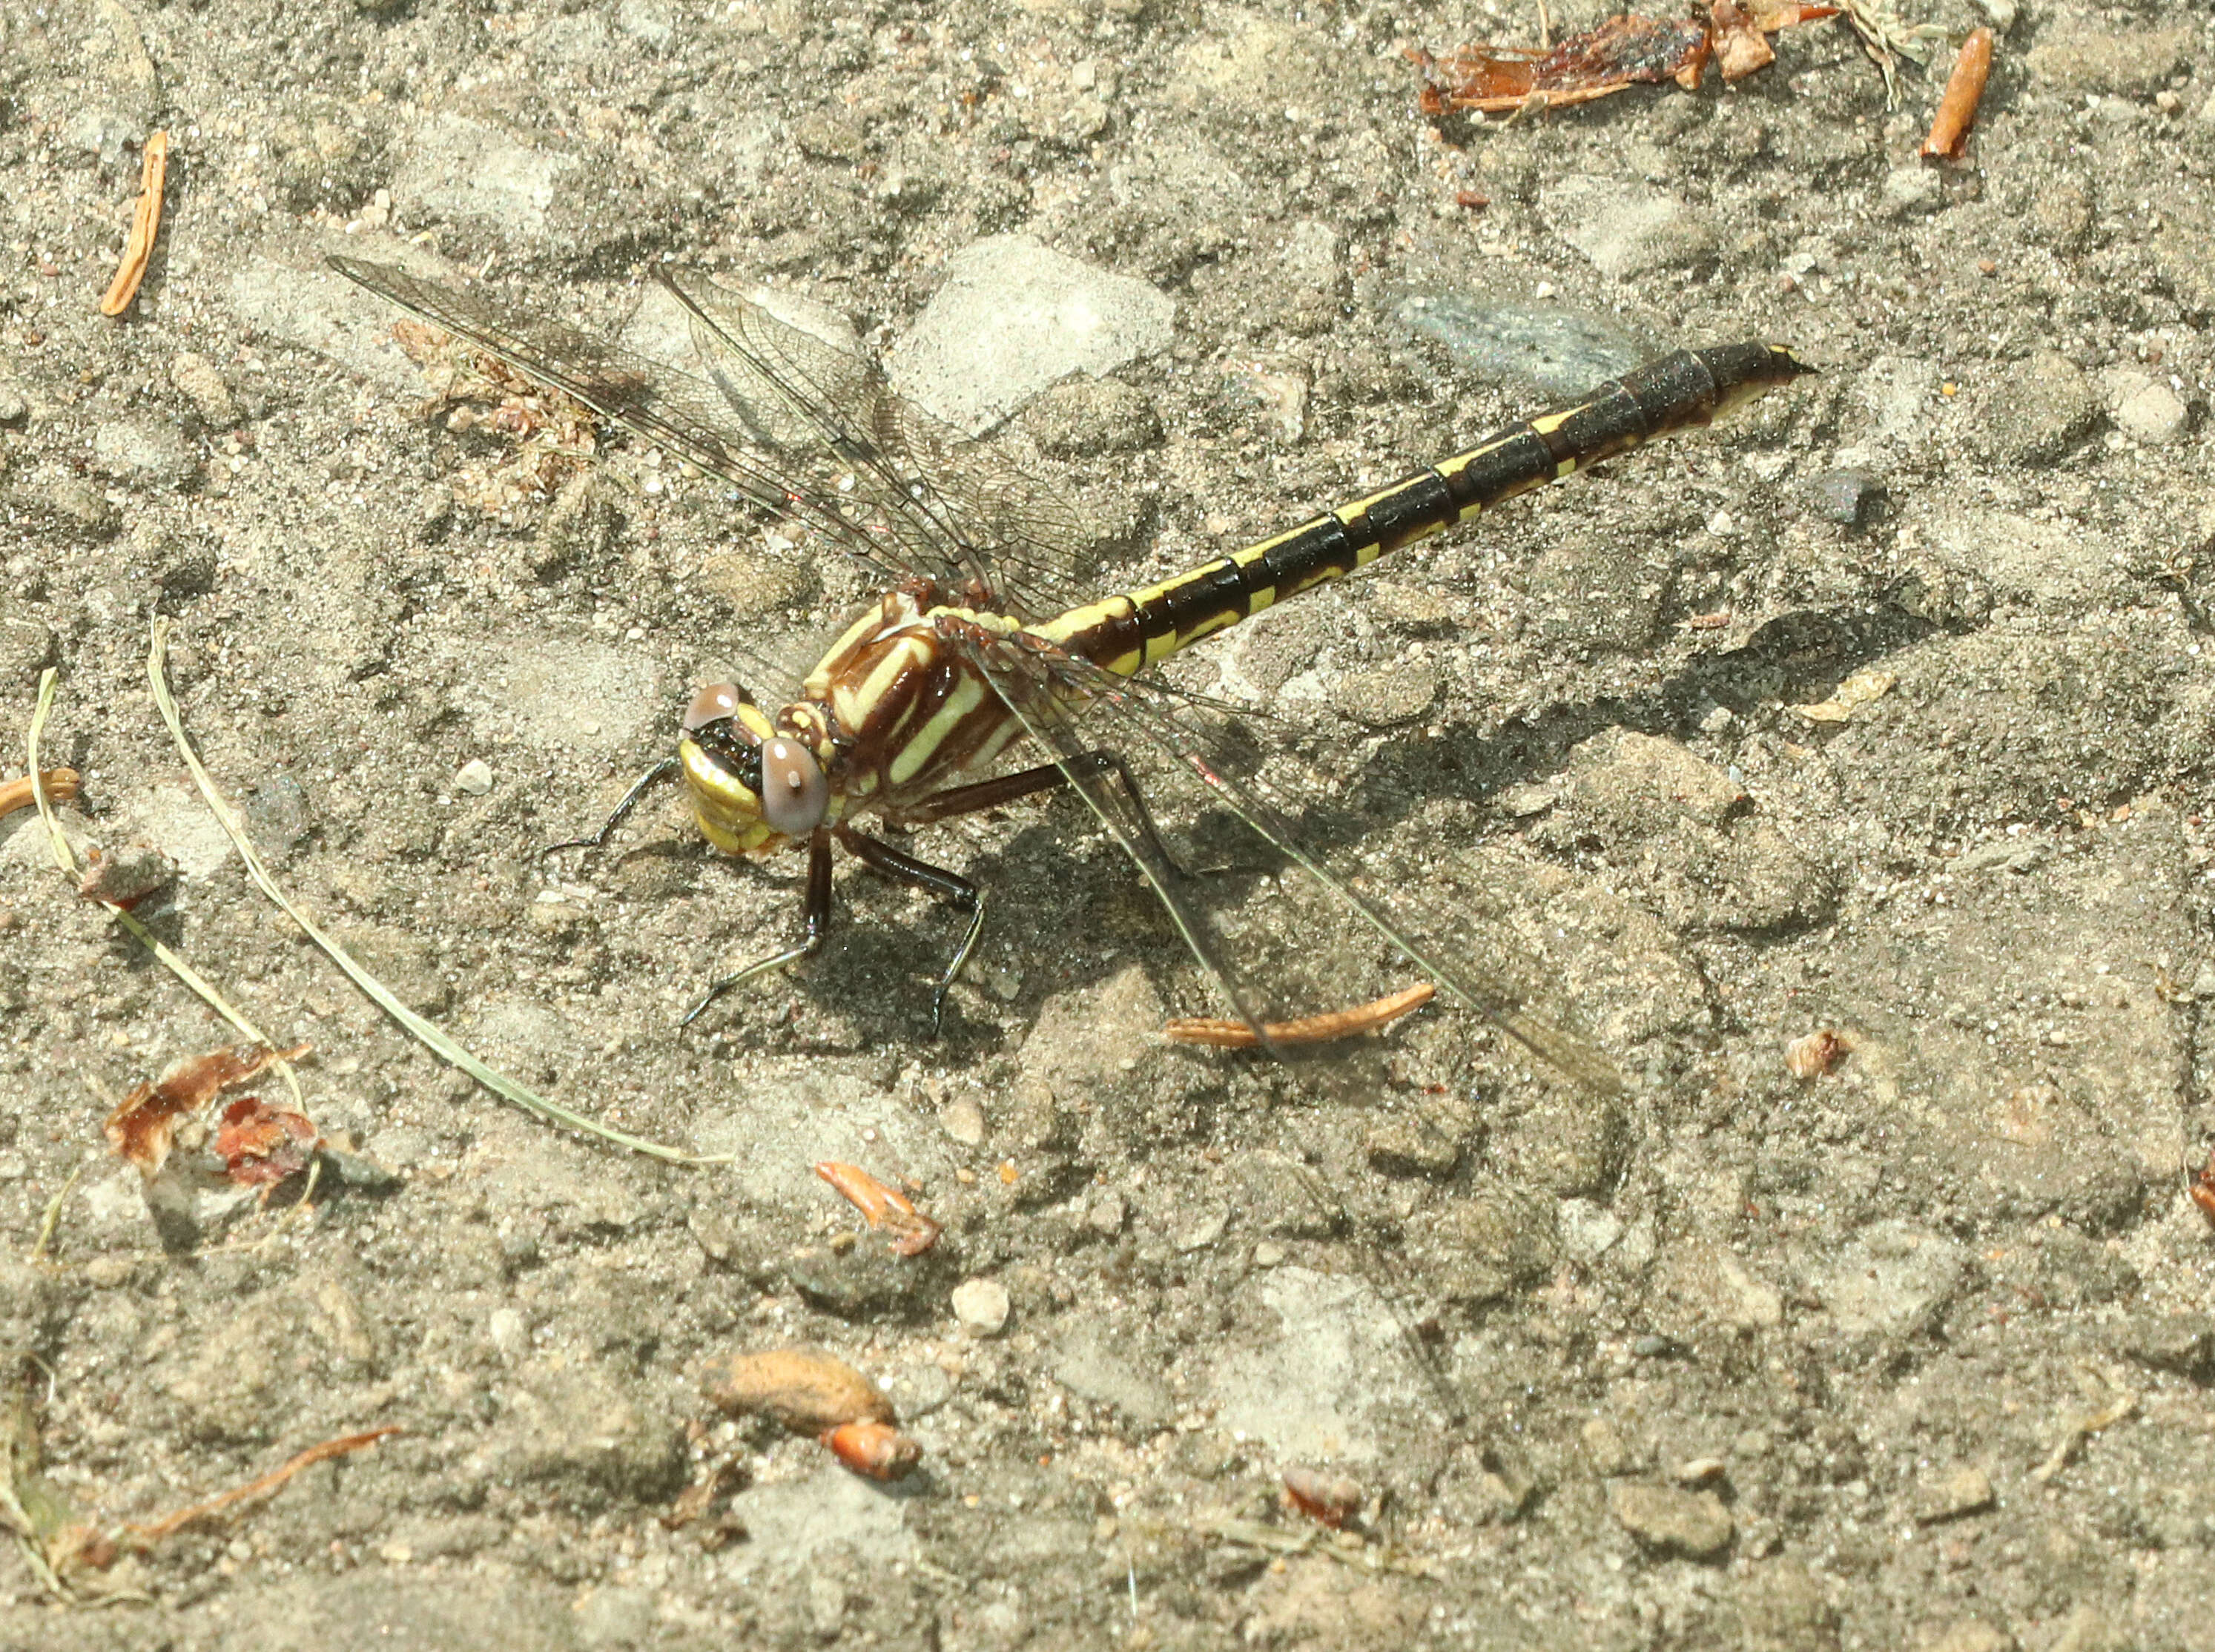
{"points": [[1886, 711]]}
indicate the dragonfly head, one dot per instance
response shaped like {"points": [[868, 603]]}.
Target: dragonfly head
{"points": [[754, 788]]}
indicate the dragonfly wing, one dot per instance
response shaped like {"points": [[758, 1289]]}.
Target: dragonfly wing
{"points": [[659, 402], [1146, 720], [1039, 696], [989, 518]]}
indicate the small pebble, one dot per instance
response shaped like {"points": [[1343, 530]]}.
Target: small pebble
{"points": [[1853, 497], [1813, 1055], [1667, 1521], [474, 778], [1323, 1495], [196, 375], [2153, 415], [1107, 1215], [963, 1121], [981, 1306]]}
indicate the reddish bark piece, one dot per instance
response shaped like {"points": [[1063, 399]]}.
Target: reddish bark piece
{"points": [[261, 1145], [142, 1128], [1621, 52]]}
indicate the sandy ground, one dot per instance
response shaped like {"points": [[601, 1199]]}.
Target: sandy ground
{"points": [[1887, 710]]}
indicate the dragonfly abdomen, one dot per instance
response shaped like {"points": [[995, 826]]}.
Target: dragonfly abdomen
{"points": [[1125, 634]]}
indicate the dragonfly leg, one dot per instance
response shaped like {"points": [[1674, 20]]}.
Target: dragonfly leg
{"points": [[660, 771], [818, 920], [1005, 789], [950, 886]]}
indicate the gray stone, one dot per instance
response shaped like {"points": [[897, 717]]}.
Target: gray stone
{"points": [[2152, 414], [1911, 190], [1952, 1493], [203, 386], [1629, 230], [27, 647], [1086, 1364], [142, 452], [1381, 699], [1011, 316], [386, 1607], [1890, 1279], [457, 167], [1670, 1523], [792, 1523], [1852, 497], [2037, 409], [1968, 1635], [1335, 1377], [2077, 56], [588, 1433]]}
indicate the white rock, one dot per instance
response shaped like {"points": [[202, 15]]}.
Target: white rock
{"points": [[474, 778], [2153, 415], [981, 1306]]}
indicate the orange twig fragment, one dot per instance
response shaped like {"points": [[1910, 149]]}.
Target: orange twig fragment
{"points": [[1957, 109], [60, 785], [2203, 1189], [147, 1536], [145, 222], [1308, 1029], [882, 1206]]}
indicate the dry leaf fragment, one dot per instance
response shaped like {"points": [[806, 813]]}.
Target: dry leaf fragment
{"points": [[1308, 1029], [1621, 52], [145, 223], [142, 1128], [2203, 1189], [883, 1206], [1957, 109]]}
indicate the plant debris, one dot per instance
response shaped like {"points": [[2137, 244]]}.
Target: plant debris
{"points": [[1957, 109], [1329, 1498], [876, 1450], [1624, 51], [145, 1536], [145, 1125], [1226, 1034], [2202, 1189], [261, 1145], [60, 786], [1815, 1053], [883, 1206], [127, 876], [145, 224]]}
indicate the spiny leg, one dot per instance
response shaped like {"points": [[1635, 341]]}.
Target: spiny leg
{"points": [[951, 886], [660, 771], [817, 918]]}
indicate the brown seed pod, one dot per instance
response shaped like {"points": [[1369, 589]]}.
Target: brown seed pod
{"points": [[804, 1388], [875, 1449], [1331, 1499]]}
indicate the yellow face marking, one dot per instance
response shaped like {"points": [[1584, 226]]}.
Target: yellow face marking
{"points": [[729, 814], [921, 746]]}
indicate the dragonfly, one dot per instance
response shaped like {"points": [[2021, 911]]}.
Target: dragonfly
{"points": [[985, 642]]}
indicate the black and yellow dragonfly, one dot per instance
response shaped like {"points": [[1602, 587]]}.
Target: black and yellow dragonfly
{"points": [[983, 642]]}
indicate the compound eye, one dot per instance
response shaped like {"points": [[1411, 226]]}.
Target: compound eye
{"points": [[711, 704], [794, 793]]}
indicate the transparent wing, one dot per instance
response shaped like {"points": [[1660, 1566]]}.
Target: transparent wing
{"points": [[665, 405], [1072, 707], [999, 525]]}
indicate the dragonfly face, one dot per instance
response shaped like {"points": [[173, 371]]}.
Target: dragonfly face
{"points": [[755, 786]]}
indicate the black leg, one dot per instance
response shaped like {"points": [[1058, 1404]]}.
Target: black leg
{"points": [[660, 771], [950, 886], [1006, 788], [818, 920]]}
